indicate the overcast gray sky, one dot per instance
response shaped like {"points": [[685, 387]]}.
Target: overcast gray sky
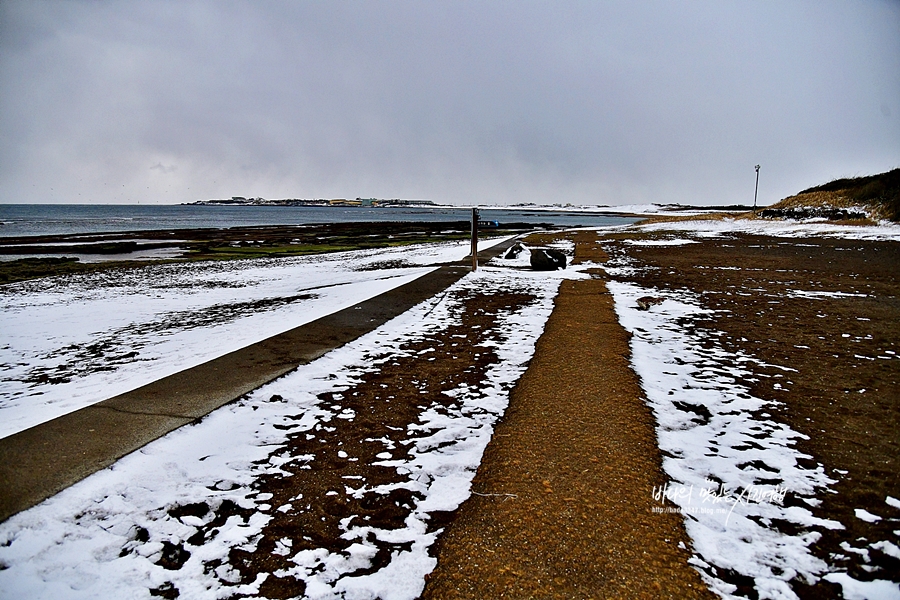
{"points": [[457, 102]]}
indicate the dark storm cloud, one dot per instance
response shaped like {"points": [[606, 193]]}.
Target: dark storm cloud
{"points": [[453, 101]]}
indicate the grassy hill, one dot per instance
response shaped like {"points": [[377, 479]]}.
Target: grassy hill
{"points": [[873, 196]]}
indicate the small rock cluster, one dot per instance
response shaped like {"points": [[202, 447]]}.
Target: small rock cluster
{"points": [[547, 259], [542, 259], [647, 302], [800, 214]]}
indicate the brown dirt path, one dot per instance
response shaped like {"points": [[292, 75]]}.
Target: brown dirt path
{"points": [[563, 499]]}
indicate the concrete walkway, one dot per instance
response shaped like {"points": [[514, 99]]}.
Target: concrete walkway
{"points": [[43, 460]]}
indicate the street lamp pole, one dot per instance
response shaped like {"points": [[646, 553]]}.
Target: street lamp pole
{"points": [[757, 188], [474, 239]]}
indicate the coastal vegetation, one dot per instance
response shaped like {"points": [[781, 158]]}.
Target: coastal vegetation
{"points": [[875, 197]]}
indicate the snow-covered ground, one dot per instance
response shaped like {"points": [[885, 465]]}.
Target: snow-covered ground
{"points": [[105, 536], [791, 229], [731, 466], [68, 342], [708, 431]]}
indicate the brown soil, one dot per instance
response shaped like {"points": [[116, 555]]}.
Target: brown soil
{"points": [[845, 393], [385, 403], [562, 503]]}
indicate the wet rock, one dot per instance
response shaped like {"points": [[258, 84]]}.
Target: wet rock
{"points": [[703, 415], [173, 556], [514, 250], [166, 590], [547, 259], [646, 302], [196, 509]]}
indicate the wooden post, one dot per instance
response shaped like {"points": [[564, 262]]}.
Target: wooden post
{"points": [[474, 239]]}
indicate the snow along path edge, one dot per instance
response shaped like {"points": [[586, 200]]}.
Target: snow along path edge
{"points": [[45, 459], [87, 539]]}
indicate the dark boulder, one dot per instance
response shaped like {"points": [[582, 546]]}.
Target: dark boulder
{"points": [[547, 259], [514, 251]]}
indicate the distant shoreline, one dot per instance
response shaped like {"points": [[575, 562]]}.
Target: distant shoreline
{"points": [[341, 202], [21, 220], [630, 210]]}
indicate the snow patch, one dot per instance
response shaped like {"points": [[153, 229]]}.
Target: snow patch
{"points": [[732, 471], [113, 533]]}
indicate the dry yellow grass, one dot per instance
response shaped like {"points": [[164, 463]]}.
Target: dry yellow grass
{"points": [[877, 195], [838, 199], [716, 216], [833, 200]]}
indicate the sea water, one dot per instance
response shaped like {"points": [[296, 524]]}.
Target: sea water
{"points": [[61, 219]]}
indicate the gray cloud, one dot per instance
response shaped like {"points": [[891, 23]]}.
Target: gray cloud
{"points": [[596, 103]]}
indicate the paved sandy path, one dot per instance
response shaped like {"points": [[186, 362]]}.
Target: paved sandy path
{"points": [[563, 504]]}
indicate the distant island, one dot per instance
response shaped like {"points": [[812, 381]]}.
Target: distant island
{"points": [[375, 202]]}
